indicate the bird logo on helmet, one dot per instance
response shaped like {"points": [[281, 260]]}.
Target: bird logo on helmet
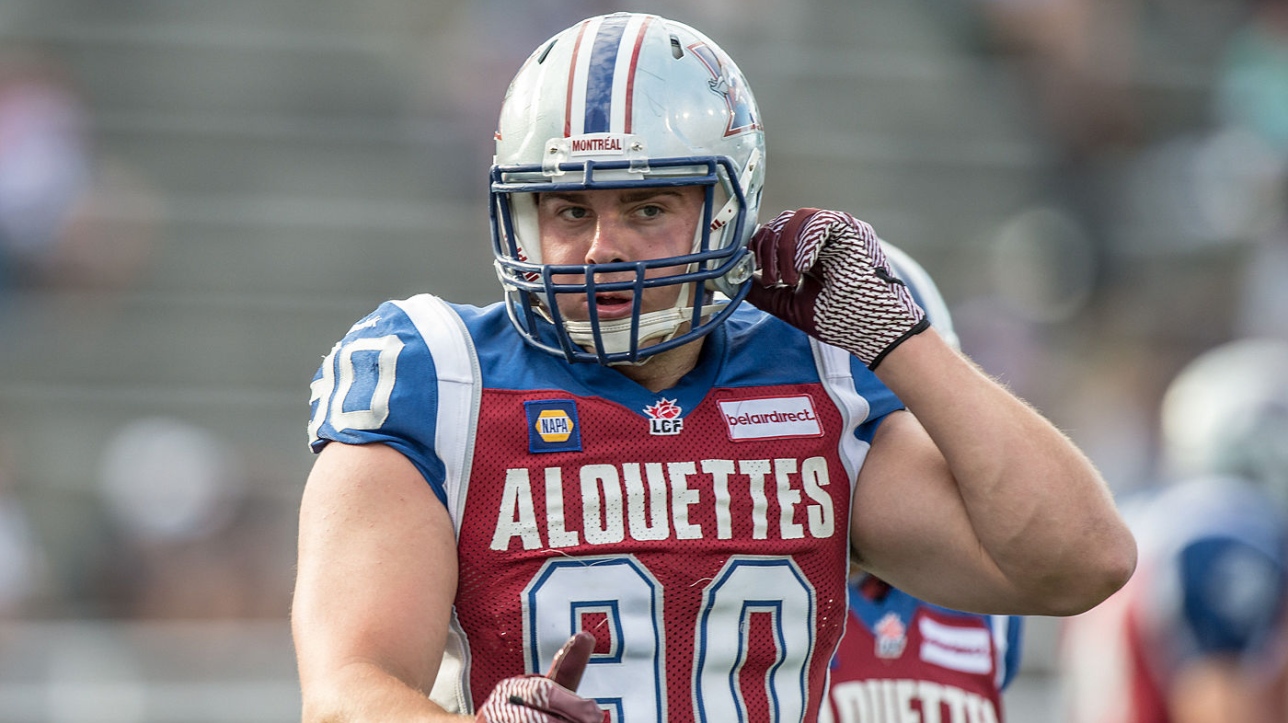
{"points": [[743, 115]]}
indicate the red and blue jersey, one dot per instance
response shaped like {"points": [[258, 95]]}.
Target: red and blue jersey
{"points": [[700, 533], [1211, 583], [903, 659]]}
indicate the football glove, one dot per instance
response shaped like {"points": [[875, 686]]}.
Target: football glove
{"points": [[548, 699], [824, 273]]}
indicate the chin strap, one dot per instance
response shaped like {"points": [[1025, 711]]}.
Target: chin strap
{"points": [[661, 325], [616, 335]]}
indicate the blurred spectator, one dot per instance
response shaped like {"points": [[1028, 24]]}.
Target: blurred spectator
{"points": [[1078, 56], [1042, 265], [1200, 634], [1262, 306], [44, 162], [68, 218], [166, 480], [1251, 101], [1077, 60], [185, 544], [1252, 85]]}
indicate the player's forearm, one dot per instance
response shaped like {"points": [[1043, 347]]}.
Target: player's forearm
{"points": [[1038, 506], [362, 692]]}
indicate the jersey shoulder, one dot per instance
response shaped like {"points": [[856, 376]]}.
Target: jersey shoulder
{"points": [[762, 349], [382, 381]]}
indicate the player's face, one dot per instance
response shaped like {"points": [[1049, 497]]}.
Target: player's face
{"points": [[605, 226]]}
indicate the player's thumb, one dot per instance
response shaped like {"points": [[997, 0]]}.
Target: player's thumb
{"points": [[570, 661]]}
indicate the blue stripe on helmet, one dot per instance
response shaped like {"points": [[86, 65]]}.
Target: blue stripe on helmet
{"points": [[599, 76]]}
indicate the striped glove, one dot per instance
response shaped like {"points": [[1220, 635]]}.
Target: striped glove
{"points": [[824, 273], [548, 699]]}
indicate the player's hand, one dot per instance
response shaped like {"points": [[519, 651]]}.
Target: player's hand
{"points": [[824, 273], [548, 699]]}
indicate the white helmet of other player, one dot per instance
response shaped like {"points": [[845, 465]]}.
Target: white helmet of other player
{"points": [[924, 291], [1226, 413]]}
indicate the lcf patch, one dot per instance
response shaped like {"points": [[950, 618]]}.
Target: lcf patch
{"points": [[552, 426]]}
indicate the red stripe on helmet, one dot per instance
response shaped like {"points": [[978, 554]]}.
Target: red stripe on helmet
{"points": [[630, 75], [572, 76]]}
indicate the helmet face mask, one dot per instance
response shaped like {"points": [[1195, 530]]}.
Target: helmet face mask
{"points": [[618, 102]]}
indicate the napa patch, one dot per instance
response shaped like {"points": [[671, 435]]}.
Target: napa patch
{"points": [[553, 426]]}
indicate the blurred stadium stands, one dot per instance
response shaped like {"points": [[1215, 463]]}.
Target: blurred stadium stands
{"points": [[261, 173]]}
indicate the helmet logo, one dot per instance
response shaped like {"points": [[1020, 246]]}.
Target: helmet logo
{"points": [[728, 82]]}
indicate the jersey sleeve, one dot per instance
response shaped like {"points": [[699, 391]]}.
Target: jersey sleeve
{"points": [[379, 385], [881, 401], [1008, 636], [1233, 595]]}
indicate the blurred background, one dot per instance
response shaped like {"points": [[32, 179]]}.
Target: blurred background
{"points": [[198, 198]]}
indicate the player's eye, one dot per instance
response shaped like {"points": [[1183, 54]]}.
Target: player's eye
{"points": [[574, 213]]}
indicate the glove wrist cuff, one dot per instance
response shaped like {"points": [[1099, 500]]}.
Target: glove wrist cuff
{"points": [[917, 328]]}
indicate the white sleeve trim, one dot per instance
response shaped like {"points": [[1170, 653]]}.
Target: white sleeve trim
{"points": [[834, 370], [456, 366], [1001, 638]]}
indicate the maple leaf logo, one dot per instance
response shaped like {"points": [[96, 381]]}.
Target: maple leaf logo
{"points": [[664, 409], [890, 627], [891, 636]]}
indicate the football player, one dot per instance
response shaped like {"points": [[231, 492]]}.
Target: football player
{"points": [[624, 468], [1199, 634]]}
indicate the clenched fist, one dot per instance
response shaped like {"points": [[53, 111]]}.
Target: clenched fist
{"points": [[824, 272]]}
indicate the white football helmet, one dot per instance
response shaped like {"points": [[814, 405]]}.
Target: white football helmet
{"points": [[1226, 413], [924, 291], [620, 101]]}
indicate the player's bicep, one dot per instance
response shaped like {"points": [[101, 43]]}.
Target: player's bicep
{"points": [[910, 526], [377, 568]]}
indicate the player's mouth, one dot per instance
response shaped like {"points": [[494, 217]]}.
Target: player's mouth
{"points": [[613, 306]]}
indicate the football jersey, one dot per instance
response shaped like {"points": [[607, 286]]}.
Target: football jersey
{"points": [[903, 659], [1211, 580], [700, 533]]}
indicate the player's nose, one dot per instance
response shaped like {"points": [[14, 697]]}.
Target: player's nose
{"points": [[608, 245]]}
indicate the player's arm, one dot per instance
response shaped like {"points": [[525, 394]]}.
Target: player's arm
{"points": [[973, 500], [374, 588]]}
